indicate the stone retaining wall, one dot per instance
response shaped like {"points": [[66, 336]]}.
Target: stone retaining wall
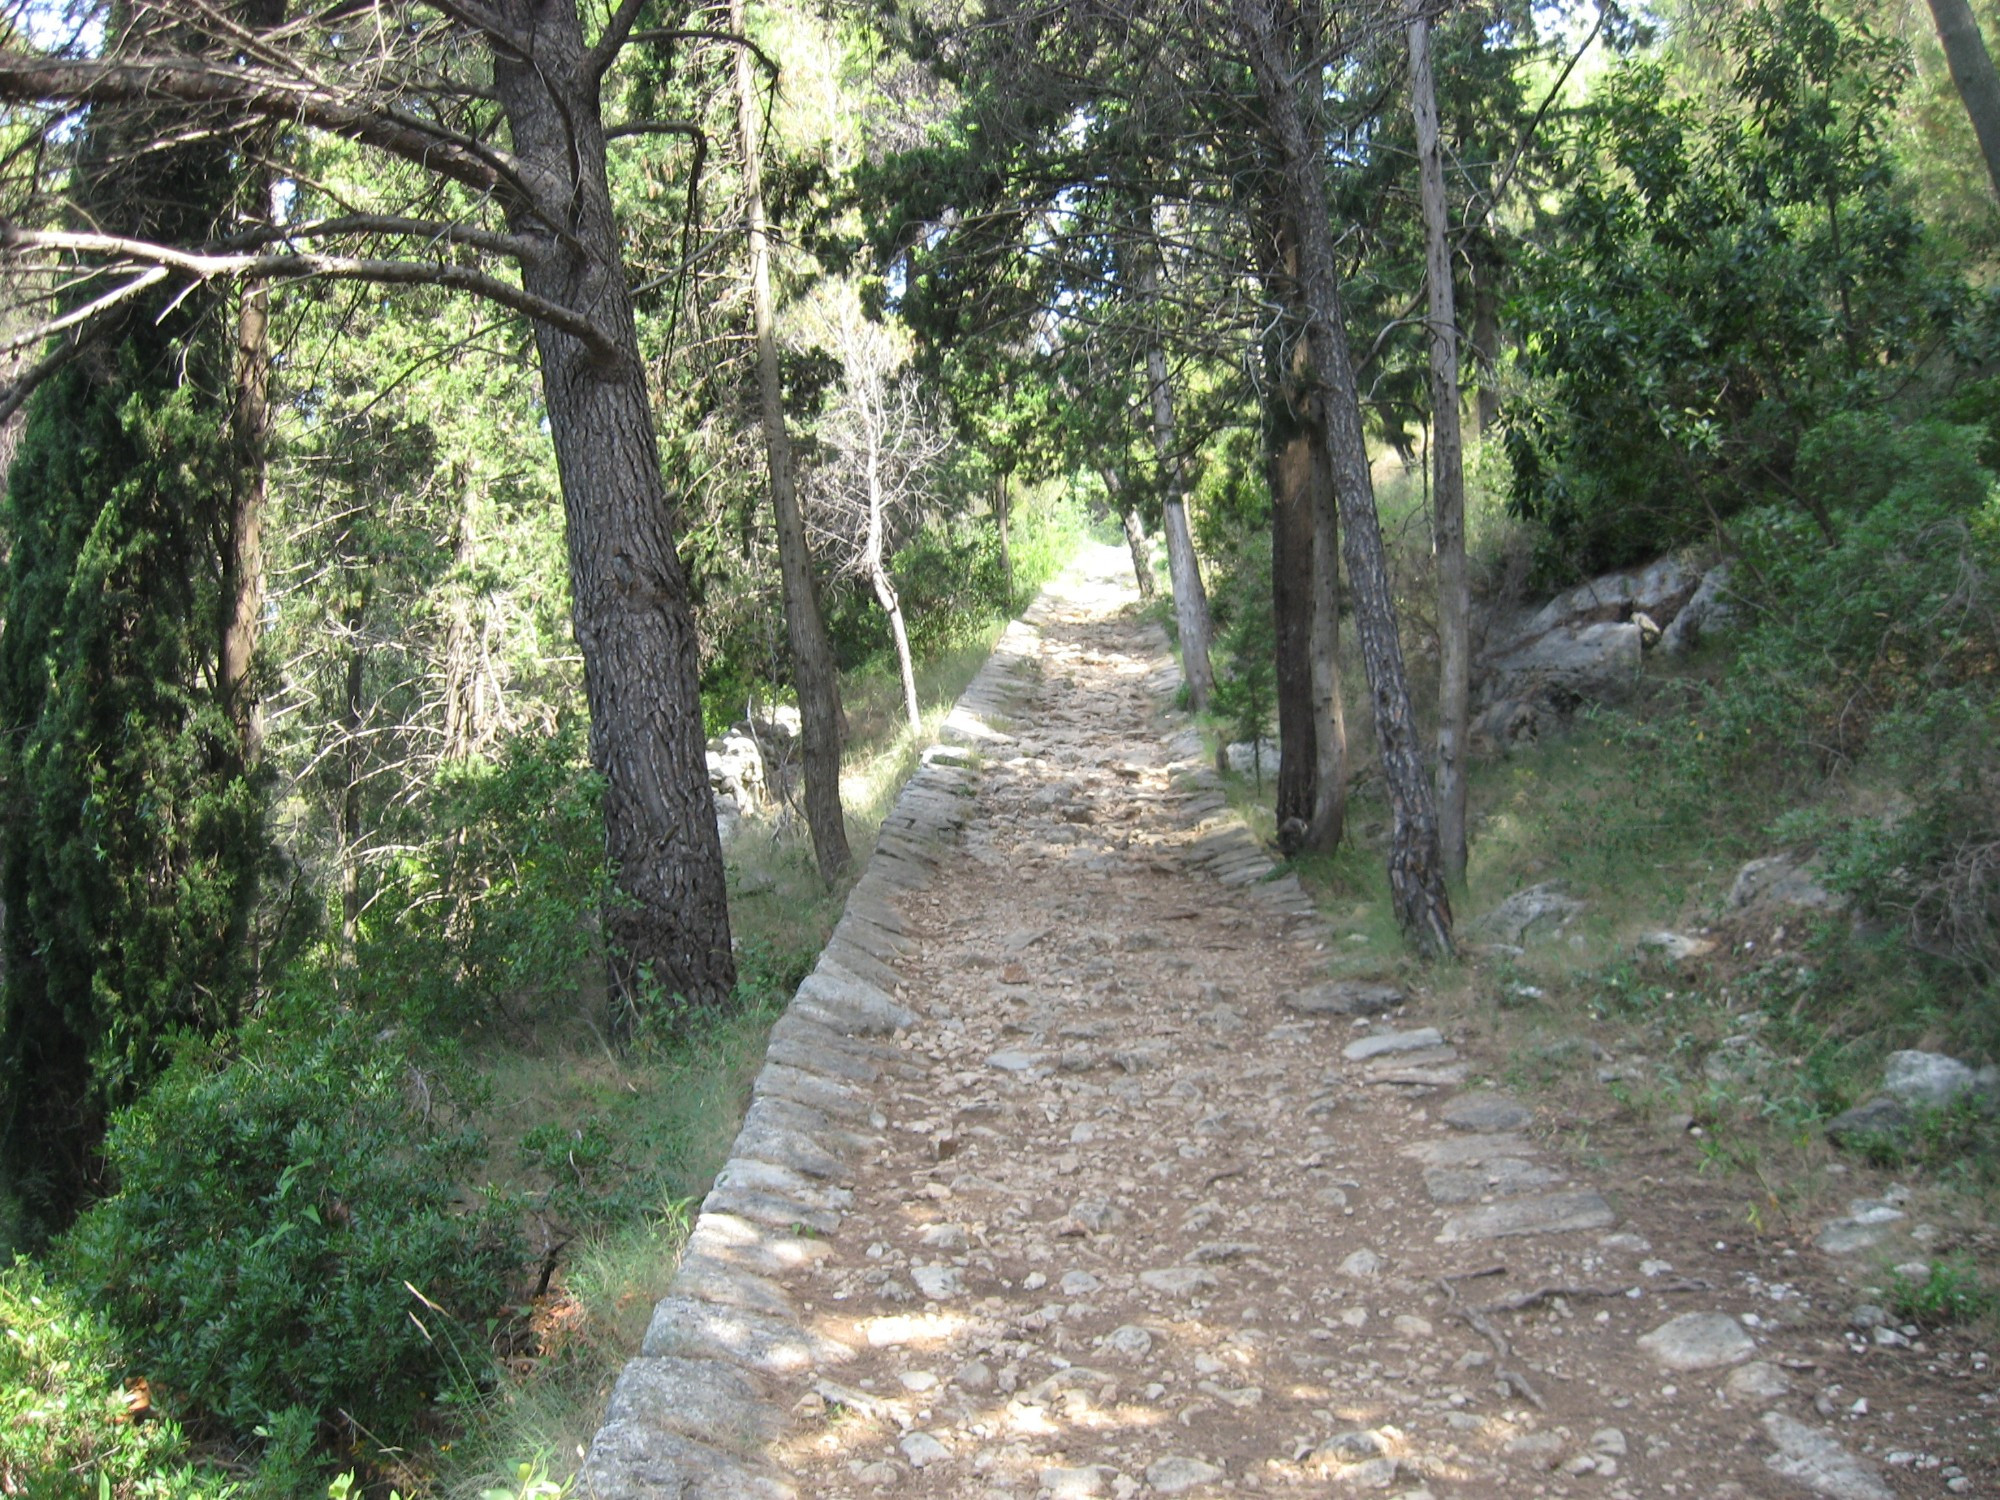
{"points": [[726, 1355]]}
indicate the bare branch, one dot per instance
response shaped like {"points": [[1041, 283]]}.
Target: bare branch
{"points": [[727, 38], [28, 79], [432, 231], [617, 31], [16, 394], [198, 267]]}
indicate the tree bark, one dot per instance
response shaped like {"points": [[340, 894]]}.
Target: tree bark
{"points": [[1447, 464], [1973, 74], [1002, 504], [1486, 342], [630, 610], [1183, 567], [1291, 469], [1135, 531], [813, 672], [1416, 878], [243, 554], [1329, 815]]}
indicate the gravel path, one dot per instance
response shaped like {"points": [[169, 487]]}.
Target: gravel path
{"points": [[1123, 1198]]}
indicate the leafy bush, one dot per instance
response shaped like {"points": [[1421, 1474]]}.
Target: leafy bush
{"points": [[1732, 271], [65, 1425], [286, 1234]]}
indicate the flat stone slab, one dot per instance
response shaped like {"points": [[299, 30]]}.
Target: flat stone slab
{"points": [[1344, 997], [1421, 1040], [1487, 1113], [1503, 1176], [1816, 1460], [752, 1247], [714, 1404], [866, 1009], [1174, 1475], [637, 1461], [1554, 1213], [1469, 1151], [771, 1346], [1699, 1341]]}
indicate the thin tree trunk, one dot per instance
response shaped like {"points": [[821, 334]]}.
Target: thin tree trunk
{"points": [[813, 671], [634, 627], [1416, 877], [1329, 815], [1291, 469], [1973, 73], [354, 758], [1135, 532], [885, 594], [1486, 344], [243, 562], [1183, 568], [1447, 465], [1002, 504]]}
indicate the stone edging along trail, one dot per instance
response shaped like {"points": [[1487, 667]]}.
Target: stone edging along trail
{"points": [[1069, 1173]]}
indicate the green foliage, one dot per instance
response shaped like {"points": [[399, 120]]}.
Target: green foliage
{"points": [[1950, 1292], [1729, 273], [1246, 689], [287, 1234], [132, 855], [65, 1432], [500, 904]]}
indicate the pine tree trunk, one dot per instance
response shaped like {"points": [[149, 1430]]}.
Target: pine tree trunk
{"points": [[1329, 816], [1973, 73], [1291, 467], [243, 562], [1416, 877], [1447, 466], [813, 670], [630, 608], [1183, 568]]}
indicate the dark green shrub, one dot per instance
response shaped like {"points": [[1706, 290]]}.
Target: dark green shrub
{"points": [[286, 1233]]}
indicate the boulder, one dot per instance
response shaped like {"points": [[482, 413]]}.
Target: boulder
{"points": [[1511, 721], [1247, 758], [736, 768], [1659, 589], [1709, 612], [1930, 1078], [1780, 880], [1571, 664], [1881, 1118], [1539, 911]]}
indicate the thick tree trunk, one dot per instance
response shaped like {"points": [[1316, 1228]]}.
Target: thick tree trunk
{"points": [[1183, 568], [1291, 469], [1973, 73], [630, 608], [1447, 465], [1329, 815], [813, 671], [1416, 877], [243, 557]]}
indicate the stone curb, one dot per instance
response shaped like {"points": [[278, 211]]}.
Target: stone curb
{"points": [[726, 1355]]}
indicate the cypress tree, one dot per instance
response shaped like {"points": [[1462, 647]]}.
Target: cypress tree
{"points": [[129, 854]]}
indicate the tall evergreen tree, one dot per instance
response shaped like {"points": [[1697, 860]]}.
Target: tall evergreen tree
{"points": [[130, 856]]}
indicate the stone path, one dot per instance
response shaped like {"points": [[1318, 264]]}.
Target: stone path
{"points": [[1071, 1175]]}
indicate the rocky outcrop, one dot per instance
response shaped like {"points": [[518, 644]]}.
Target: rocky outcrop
{"points": [[1537, 666]]}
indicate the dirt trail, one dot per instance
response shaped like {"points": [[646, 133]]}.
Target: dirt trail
{"points": [[1140, 1206]]}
